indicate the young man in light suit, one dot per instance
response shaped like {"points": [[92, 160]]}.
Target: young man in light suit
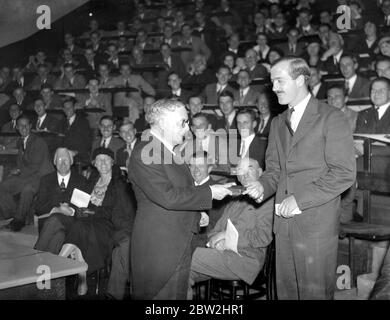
{"points": [[310, 161]]}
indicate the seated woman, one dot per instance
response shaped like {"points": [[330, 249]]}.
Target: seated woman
{"points": [[94, 231]]}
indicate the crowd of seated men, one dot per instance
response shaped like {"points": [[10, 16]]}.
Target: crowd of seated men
{"points": [[85, 108]]}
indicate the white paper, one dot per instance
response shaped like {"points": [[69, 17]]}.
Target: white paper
{"points": [[80, 198], [295, 211], [231, 237]]}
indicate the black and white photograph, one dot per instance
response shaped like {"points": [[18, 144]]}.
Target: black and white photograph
{"points": [[201, 156]]}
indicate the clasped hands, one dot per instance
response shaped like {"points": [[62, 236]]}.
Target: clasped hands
{"points": [[220, 191], [217, 241], [286, 209]]}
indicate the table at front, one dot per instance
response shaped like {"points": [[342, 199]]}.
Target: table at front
{"points": [[23, 272]]}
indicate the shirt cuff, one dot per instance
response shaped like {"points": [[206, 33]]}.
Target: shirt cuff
{"points": [[260, 200], [73, 211]]}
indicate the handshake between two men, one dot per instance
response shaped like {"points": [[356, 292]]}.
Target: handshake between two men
{"points": [[248, 173]]}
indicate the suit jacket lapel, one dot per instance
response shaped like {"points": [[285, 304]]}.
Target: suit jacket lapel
{"points": [[308, 119], [283, 132]]}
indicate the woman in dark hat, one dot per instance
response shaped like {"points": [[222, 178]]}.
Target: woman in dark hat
{"points": [[108, 217]]}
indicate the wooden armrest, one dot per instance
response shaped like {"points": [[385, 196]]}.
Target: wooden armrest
{"points": [[365, 231]]}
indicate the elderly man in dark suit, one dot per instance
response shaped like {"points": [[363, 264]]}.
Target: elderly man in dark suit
{"points": [[310, 161], [254, 225], [167, 205], [264, 103], [33, 162], [54, 195]]}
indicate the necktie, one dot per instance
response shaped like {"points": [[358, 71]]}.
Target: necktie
{"points": [[24, 144], [242, 148], [376, 114], [39, 123], [347, 88], [62, 185], [288, 121], [128, 149], [241, 96], [335, 61], [13, 124], [127, 85], [104, 143], [261, 128]]}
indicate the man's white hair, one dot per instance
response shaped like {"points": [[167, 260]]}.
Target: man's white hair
{"points": [[64, 151], [160, 107]]}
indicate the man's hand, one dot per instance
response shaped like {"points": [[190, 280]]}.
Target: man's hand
{"points": [[287, 207], [66, 210], [220, 191], [220, 245], [254, 190], [204, 220], [216, 238]]}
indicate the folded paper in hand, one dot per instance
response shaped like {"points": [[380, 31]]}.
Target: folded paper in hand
{"points": [[80, 198], [231, 237], [295, 211]]}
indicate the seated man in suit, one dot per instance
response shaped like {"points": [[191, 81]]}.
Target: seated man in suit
{"points": [[250, 145], [195, 106], [89, 64], [198, 76], [304, 20], [292, 47], [78, 137], [54, 195], [171, 62], [255, 70], [127, 79], [70, 79], [96, 100], [47, 123], [245, 95], [382, 67], [177, 92], [376, 119], [253, 222], [51, 99], [317, 88], [331, 57], [355, 85], [105, 79], [263, 104], [213, 90], [122, 156], [226, 105], [141, 124], [33, 162], [107, 140], [21, 98], [200, 166], [337, 97], [43, 77], [10, 142]]}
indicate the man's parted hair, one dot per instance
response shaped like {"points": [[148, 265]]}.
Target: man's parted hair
{"points": [[297, 67], [63, 150], [158, 108]]}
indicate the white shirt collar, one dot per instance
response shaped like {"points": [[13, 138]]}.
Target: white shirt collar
{"points": [[205, 143], [299, 109], [108, 140], [221, 87], [351, 82], [41, 119], [248, 140], [231, 117], [66, 179], [338, 56], [72, 119], [382, 109], [177, 92], [202, 182], [163, 141], [245, 91]]}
